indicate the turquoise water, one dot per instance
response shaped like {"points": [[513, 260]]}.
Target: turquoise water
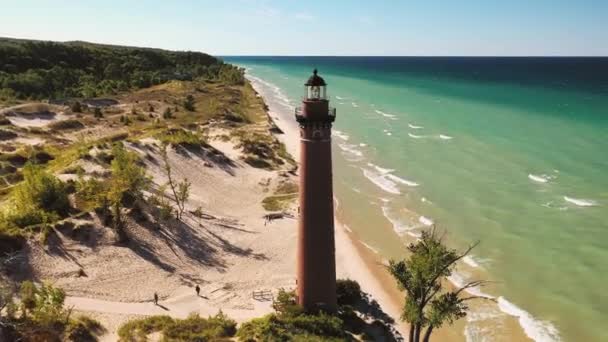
{"points": [[513, 153]]}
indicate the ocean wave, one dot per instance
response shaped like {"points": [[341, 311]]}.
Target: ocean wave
{"points": [[425, 221], [362, 145], [399, 226], [389, 133], [352, 150], [380, 169], [581, 202], [445, 137], [340, 98], [354, 104], [414, 126], [459, 281], [470, 261], [539, 179], [370, 247], [341, 135], [539, 331], [402, 181], [380, 180], [414, 136], [386, 115]]}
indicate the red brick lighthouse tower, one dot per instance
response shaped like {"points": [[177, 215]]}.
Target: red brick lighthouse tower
{"points": [[316, 247]]}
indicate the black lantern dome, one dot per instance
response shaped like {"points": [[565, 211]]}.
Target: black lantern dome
{"points": [[315, 87], [315, 80]]}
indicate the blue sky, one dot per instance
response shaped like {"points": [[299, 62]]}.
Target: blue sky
{"points": [[322, 27]]}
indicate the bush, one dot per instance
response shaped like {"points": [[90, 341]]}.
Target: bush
{"points": [[272, 327], [348, 292], [167, 114], [189, 103], [97, 113], [83, 329], [193, 328], [41, 190], [69, 124], [182, 137], [76, 107]]}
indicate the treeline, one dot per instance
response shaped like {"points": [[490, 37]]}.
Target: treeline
{"points": [[41, 69]]}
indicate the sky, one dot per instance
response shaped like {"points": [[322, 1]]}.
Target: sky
{"points": [[322, 27]]}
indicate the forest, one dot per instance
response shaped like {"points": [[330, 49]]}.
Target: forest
{"points": [[39, 70]]}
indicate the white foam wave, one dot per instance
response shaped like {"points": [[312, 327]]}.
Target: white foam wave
{"points": [[381, 181], [380, 169], [459, 281], [341, 135], [402, 181], [539, 331], [355, 104], [470, 261], [414, 126], [581, 202], [415, 136], [399, 226], [370, 247], [351, 150], [389, 134], [362, 145], [386, 115], [445, 137], [539, 179], [425, 221], [340, 98]]}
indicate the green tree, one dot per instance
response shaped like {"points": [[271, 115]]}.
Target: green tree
{"points": [[126, 185], [189, 103], [181, 190], [76, 107], [427, 304], [27, 295], [40, 191]]}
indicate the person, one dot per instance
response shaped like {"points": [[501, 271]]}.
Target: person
{"points": [[198, 290], [155, 298]]}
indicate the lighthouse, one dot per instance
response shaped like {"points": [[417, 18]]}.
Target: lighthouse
{"points": [[316, 257]]}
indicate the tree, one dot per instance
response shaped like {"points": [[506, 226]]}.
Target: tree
{"points": [[189, 103], [181, 190], [126, 185], [422, 275]]}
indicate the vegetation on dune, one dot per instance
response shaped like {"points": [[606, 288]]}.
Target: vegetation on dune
{"points": [[285, 193], [42, 69], [193, 328], [37, 313], [40, 199], [428, 305]]}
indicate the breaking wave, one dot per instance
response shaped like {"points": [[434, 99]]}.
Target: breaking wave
{"points": [[445, 137], [341, 135], [425, 221], [387, 115], [381, 181], [414, 126], [539, 331], [539, 179], [581, 202], [414, 136]]}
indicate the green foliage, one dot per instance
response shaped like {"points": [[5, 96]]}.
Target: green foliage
{"points": [[40, 199], [175, 137], [422, 276], [91, 193], [83, 329], [69, 124], [41, 191], [193, 328], [272, 327], [181, 190], [37, 69], [189, 103], [348, 292]]}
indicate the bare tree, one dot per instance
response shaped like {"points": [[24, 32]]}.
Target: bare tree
{"points": [[181, 190]]}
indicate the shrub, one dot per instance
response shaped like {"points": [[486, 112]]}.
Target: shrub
{"points": [[167, 114], [348, 292], [76, 107], [97, 113], [182, 137], [189, 103], [83, 329], [69, 124], [41, 190]]}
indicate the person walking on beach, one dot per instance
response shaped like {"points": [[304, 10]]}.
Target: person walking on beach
{"points": [[198, 290], [155, 298]]}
